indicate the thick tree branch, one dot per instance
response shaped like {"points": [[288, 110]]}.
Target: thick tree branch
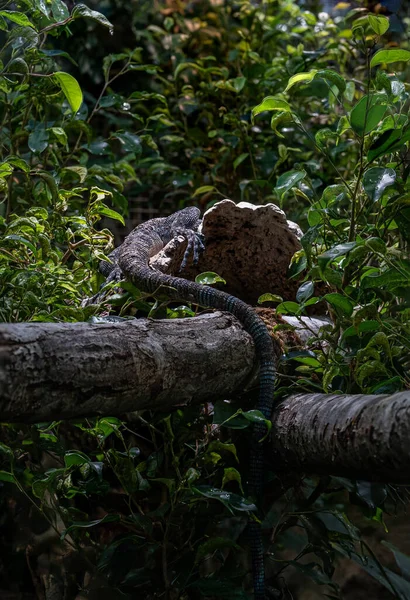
{"points": [[357, 436], [69, 370]]}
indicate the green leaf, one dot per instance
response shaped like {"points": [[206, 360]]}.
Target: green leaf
{"points": [[60, 10], [239, 160], [402, 560], [288, 308], [60, 134], [232, 474], [231, 501], [390, 56], [38, 139], [17, 17], [332, 77], [256, 416], [227, 415], [88, 524], [270, 103], [376, 180], [204, 189], [335, 252], [6, 476], [368, 112], [305, 291], [349, 91], [287, 181], [112, 214], [19, 163], [209, 278], [390, 278], [379, 24], [339, 301], [130, 142], [80, 10], [19, 238], [238, 83], [70, 88], [301, 78], [280, 118], [390, 141], [6, 169], [269, 298], [323, 135], [75, 457]]}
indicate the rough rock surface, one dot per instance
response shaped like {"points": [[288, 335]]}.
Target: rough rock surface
{"points": [[249, 246]]}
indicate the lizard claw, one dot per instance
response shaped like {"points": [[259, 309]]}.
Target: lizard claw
{"points": [[195, 246]]}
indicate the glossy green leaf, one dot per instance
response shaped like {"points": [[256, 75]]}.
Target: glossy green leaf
{"points": [[38, 139], [335, 252], [89, 524], [269, 298], [232, 474], [301, 78], [270, 103], [70, 88], [349, 91], [379, 24], [340, 302], [112, 214], [390, 56], [288, 308], [287, 181], [17, 17], [60, 10], [390, 141], [333, 78], [19, 163], [402, 560], [75, 458], [209, 278], [204, 189], [81, 10], [6, 476], [376, 180], [239, 160], [130, 142], [305, 291], [230, 500], [391, 278], [22, 240], [280, 118], [368, 112]]}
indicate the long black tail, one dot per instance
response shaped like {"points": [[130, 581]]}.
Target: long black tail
{"points": [[134, 264]]}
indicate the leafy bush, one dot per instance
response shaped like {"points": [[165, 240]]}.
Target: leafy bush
{"points": [[259, 101]]}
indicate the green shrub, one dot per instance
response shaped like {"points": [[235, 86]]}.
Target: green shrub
{"points": [[256, 101]]}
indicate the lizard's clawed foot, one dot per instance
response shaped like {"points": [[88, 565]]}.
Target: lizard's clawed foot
{"points": [[194, 247]]}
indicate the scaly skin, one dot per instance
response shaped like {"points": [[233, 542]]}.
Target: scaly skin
{"points": [[132, 260]]}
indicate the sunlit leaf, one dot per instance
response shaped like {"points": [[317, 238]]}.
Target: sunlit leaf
{"points": [[70, 88], [390, 56], [209, 278], [300, 78], [376, 180], [271, 103], [81, 10]]}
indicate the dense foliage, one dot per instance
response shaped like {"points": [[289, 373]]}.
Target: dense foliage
{"points": [[266, 102]]}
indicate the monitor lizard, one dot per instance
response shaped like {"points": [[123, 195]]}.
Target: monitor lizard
{"points": [[131, 261]]}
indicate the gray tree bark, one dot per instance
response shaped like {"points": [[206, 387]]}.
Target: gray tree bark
{"points": [[68, 370], [355, 436], [61, 371]]}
